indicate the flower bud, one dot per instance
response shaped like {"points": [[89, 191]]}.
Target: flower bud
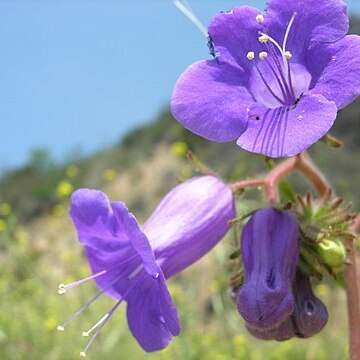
{"points": [[310, 315], [332, 252], [284, 332], [270, 252]]}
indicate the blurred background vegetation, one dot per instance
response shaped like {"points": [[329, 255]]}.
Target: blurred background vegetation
{"points": [[39, 249]]}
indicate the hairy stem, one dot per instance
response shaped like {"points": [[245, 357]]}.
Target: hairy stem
{"points": [[300, 163], [353, 293]]}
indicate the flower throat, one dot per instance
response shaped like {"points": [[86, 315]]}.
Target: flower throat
{"points": [[274, 82]]}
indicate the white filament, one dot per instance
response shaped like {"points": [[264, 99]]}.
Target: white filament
{"points": [[87, 333], [63, 288], [288, 31]]}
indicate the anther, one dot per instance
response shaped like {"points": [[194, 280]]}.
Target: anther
{"points": [[288, 55], [250, 55], [83, 354], [60, 328], [87, 333], [263, 55], [264, 39], [260, 18], [63, 288]]}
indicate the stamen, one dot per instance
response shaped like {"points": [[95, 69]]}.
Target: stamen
{"points": [[87, 333], [83, 308], [288, 55], [288, 31], [260, 18], [63, 288], [281, 72], [136, 271], [109, 314], [269, 38], [283, 91], [268, 86], [263, 39], [250, 55], [290, 82], [263, 55]]}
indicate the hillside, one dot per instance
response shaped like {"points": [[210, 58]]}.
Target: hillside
{"points": [[39, 248], [31, 190]]}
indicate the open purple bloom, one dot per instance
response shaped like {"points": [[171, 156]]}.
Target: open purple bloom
{"points": [[279, 80], [270, 251], [131, 264]]}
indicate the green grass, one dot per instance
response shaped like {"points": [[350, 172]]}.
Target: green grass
{"points": [[37, 258]]}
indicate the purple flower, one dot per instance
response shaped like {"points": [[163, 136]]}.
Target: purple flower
{"points": [[309, 317], [131, 264], [270, 251], [279, 80]]}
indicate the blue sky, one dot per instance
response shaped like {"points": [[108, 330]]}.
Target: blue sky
{"points": [[75, 75]]}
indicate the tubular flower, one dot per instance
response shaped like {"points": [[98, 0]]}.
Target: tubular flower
{"points": [[131, 264], [309, 317], [279, 80], [269, 248]]}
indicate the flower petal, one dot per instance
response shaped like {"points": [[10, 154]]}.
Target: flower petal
{"points": [[112, 240], [284, 332], [310, 315], [336, 76], [136, 237], [189, 222], [94, 221], [235, 34], [152, 316], [286, 131], [315, 21], [269, 248], [210, 99]]}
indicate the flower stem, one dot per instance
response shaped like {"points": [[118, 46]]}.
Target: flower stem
{"points": [[247, 183], [352, 293], [302, 163]]}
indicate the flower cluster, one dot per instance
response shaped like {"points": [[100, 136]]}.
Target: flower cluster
{"points": [[276, 299], [279, 80], [275, 86]]}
